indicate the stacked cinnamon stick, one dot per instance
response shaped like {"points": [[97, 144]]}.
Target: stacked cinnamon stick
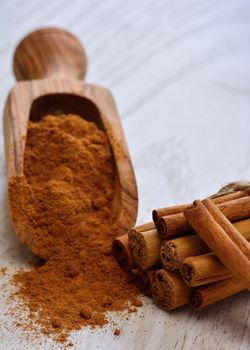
{"points": [[195, 253]]}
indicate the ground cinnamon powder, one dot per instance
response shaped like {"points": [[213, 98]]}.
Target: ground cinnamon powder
{"points": [[64, 201]]}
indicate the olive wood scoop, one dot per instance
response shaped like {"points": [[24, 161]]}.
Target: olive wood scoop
{"points": [[49, 65]]}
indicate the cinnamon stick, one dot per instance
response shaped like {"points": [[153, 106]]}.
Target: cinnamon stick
{"points": [[144, 227], [144, 279], [215, 292], [235, 210], [169, 290], [203, 269], [218, 240], [230, 230], [145, 247], [173, 225], [173, 252], [123, 253], [159, 213]]}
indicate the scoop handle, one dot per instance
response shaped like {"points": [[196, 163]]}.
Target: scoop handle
{"points": [[49, 52]]}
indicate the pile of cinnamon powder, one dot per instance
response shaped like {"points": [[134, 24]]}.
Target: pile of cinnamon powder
{"points": [[64, 202]]}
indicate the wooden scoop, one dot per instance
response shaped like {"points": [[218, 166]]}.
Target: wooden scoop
{"points": [[50, 64]]}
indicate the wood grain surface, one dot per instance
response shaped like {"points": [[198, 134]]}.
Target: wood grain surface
{"points": [[49, 52], [179, 72]]}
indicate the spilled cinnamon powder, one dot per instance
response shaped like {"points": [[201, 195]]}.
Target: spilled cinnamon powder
{"points": [[3, 270], [63, 209]]}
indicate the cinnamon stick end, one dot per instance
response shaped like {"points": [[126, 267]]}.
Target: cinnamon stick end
{"points": [[169, 257], [122, 254], [162, 228], [187, 273], [196, 203], [196, 300], [155, 216]]}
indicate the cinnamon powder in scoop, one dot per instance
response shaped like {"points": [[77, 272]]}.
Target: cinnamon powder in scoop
{"points": [[64, 202]]}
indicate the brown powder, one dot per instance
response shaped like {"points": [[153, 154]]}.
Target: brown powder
{"points": [[117, 331], [63, 206], [136, 302], [3, 271], [86, 312]]}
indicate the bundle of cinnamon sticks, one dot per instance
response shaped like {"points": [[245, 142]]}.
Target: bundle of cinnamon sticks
{"points": [[195, 254]]}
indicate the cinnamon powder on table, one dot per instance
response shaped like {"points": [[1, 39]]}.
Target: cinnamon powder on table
{"points": [[64, 203]]}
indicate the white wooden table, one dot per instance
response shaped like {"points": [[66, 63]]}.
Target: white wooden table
{"points": [[180, 73]]}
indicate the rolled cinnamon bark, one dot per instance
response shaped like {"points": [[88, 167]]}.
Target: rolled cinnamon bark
{"points": [[144, 227], [173, 252], [159, 213], [145, 247], [218, 240], [144, 279], [173, 226], [169, 290], [215, 292], [203, 269], [230, 230], [123, 253], [235, 210]]}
